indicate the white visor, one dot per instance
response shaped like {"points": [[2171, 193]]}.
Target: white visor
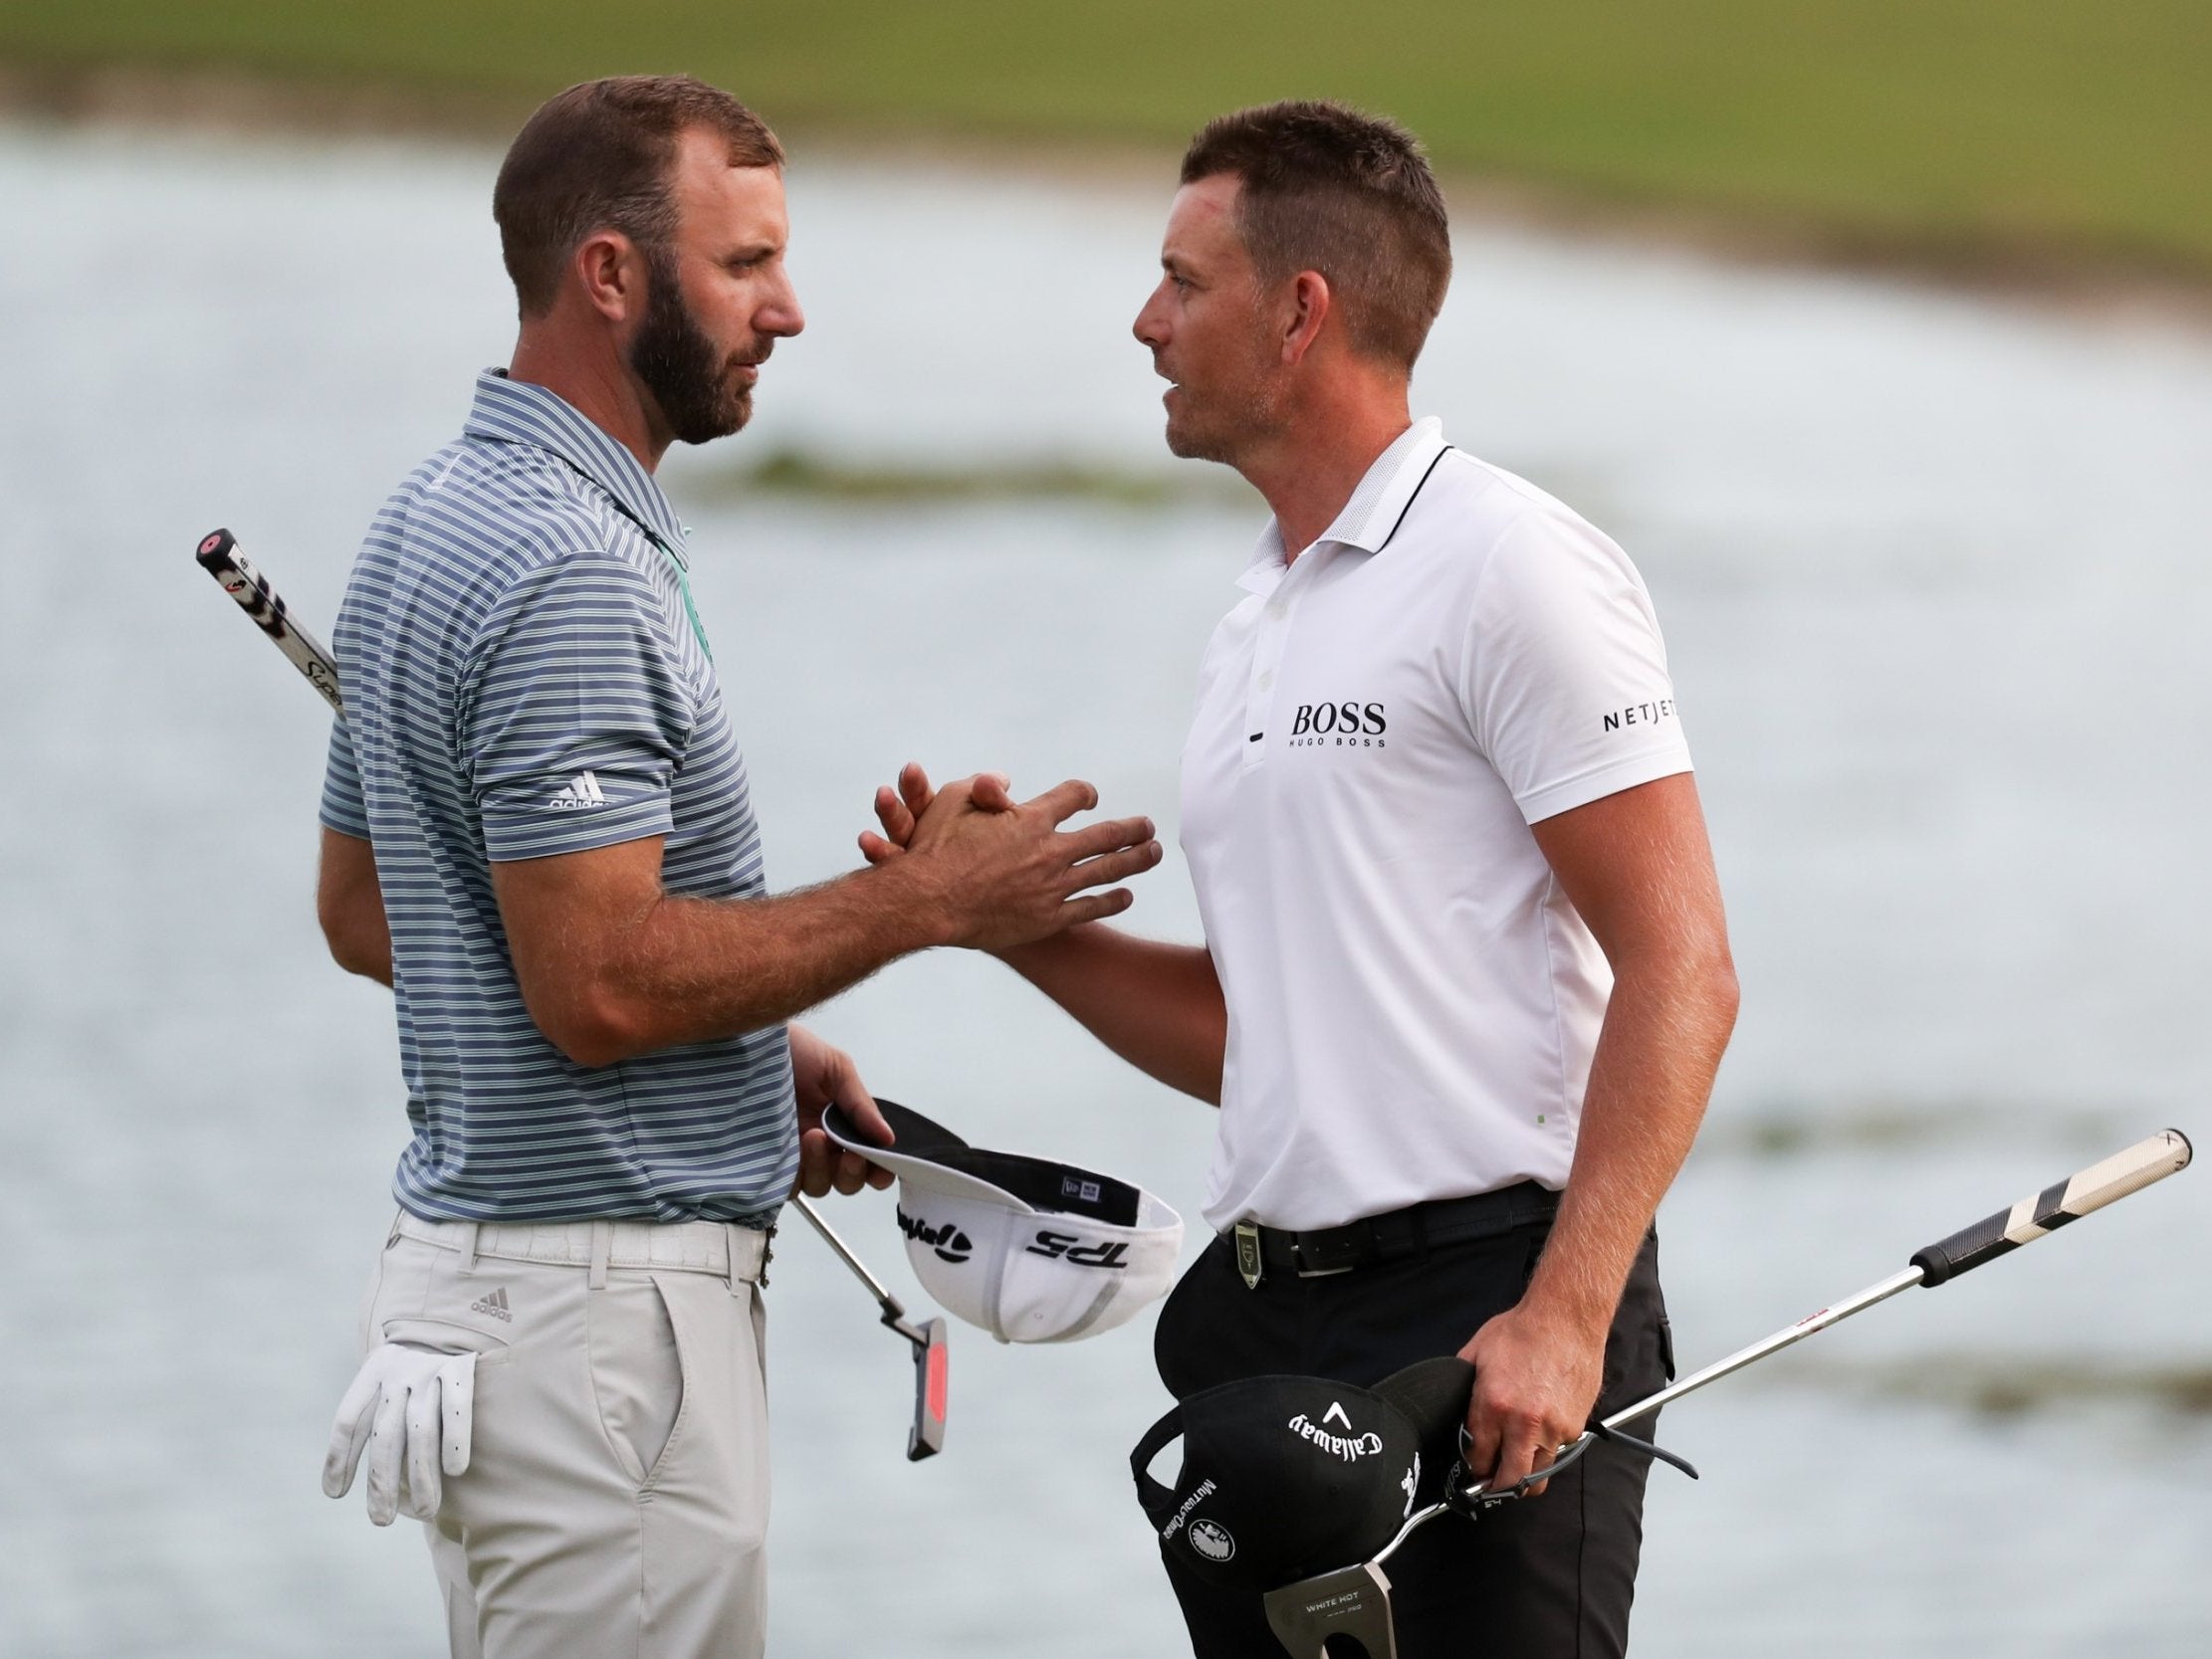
{"points": [[1030, 1250]]}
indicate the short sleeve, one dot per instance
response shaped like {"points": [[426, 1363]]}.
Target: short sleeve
{"points": [[1564, 682], [574, 711], [343, 808]]}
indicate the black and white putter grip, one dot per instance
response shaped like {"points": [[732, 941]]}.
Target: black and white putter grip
{"points": [[2045, 1212], [219, 557]]}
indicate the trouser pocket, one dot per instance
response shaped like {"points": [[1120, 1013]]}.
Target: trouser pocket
{"points": [[637, 1371], [422, 1297], [365, 1334], [1640, 1348]]}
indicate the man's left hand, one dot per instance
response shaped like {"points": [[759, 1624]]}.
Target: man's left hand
{"points": [[826, 1076], [1536, 1381]]}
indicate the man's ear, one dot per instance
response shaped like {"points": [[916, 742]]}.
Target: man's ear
{"points": [[611, 270], [1310, 304]]}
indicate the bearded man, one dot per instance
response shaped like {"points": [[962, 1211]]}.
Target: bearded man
{"points": [[537, 830]]}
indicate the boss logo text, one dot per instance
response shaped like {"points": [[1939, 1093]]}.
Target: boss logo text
{"points": [[1352, 719]]}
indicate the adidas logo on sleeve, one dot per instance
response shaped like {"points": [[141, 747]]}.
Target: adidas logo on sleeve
{"points": [[579, 791]]}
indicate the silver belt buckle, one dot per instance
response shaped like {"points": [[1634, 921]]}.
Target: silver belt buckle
{"points": [[1248, 1265]]}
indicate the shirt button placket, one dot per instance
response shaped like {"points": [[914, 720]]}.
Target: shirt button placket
{"points": [[1259, 697]]}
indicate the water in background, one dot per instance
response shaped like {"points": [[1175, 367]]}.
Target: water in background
{"points": [[1933, 574]]}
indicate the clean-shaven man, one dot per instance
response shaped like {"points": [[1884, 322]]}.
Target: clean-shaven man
{"points": [[537, 830], [1465, 979]]}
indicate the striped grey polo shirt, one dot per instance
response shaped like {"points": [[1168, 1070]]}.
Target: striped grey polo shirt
{"points": [[524, 676]]}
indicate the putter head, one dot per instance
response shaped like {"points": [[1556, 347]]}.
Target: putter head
{"points": [[932, 1385], [1353, 1601]]}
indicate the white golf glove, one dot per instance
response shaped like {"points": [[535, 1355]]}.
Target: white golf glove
{"points": [[409, 1408]]}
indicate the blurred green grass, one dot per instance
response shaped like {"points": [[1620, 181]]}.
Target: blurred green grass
{"points": [[1976, 128]]}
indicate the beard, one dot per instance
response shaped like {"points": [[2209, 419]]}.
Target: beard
{"points": [[687, 373]]}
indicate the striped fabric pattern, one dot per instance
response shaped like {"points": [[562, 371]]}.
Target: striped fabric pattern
{"points": [[523, 679]]}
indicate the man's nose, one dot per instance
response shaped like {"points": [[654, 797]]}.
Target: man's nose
{"points": [[1150, 328], [782, 315]]}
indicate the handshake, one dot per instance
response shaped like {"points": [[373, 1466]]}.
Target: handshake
{"points": [[1000, 872], [973, 867]]}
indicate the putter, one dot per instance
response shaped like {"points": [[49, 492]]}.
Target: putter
{"points": [[1354, 1600], [219, 557], [931, 1357]]}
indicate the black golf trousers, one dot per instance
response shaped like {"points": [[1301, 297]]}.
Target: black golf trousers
{"points": [[1548, 1577]]}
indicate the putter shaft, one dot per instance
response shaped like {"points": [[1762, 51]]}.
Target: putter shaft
{"points": [[894, 1315]]}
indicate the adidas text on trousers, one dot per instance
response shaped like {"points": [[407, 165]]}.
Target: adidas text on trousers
{"points": [[616, 1499]]}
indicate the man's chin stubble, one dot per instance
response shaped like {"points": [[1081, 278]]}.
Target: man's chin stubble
{"points": [[1188, 444]]}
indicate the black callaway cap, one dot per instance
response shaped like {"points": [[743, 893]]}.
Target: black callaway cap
{"points": [[1285, 1477]]}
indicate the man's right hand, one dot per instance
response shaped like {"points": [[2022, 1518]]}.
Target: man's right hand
{"points": [[1006, 872], [1157, 1006], [899, 809]]}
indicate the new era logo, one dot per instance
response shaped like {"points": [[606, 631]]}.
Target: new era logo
{"points": [[495, 1304], [580, 790]]}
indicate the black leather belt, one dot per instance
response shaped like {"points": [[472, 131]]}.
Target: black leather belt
{"points": [[1389, 1237]]}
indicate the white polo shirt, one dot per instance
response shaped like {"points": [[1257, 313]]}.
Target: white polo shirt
{"points": [[1412, 1002]]}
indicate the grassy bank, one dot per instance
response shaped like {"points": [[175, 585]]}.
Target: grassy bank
{"points": [[816, 476], [1985, 129]]}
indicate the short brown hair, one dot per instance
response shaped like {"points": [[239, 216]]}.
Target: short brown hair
{"points": [[597, 157], [1327, 189]]}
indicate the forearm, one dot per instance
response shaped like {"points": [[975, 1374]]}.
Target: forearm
{"points": [[690, 970], [1157, 1006], [1665, 1029], [349, 905], [376, 967]]}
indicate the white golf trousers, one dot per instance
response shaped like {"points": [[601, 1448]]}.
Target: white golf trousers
{"points": [[616, 1501]]}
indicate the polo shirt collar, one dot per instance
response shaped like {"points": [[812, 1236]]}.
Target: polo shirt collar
{"points": [[520, 412], [1369, 518]]}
